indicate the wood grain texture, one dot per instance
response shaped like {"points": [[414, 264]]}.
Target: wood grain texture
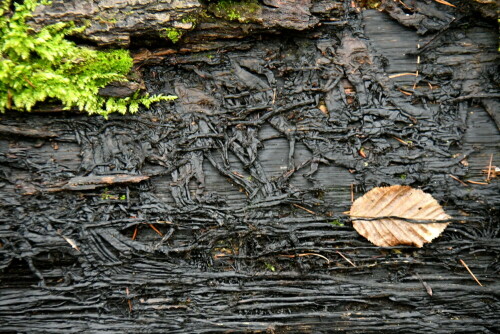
{"points": [[228, 183]]}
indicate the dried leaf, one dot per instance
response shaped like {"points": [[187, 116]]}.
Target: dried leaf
{"points": [[398, 202]]}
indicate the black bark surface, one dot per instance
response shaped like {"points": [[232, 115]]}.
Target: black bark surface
{"points": [[223, 211]]}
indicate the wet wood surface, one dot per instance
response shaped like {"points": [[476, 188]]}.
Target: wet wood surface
{"points": [[228, 229]]}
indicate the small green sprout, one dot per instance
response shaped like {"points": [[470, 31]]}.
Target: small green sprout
{"points": [[172, 34], [336, 222], [232, 10], [232, 15], [270, 267], [106, 195]]}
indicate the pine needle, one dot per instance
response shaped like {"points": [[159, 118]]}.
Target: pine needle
{"points": [[470, 272], [445, 3], [402, 75]]}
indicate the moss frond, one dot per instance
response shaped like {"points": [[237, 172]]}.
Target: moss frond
{"points": [[40, 65]]}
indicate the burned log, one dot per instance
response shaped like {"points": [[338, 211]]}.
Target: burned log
{"points": [[241, 226]]}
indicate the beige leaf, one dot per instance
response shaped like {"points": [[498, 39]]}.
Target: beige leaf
{"points": [[398, 201]]}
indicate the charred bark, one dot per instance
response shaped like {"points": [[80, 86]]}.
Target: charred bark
{"points": [[227, 213]]}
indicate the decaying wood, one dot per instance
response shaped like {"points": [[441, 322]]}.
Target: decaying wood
{"points": [[121, 23], [239, 226], [492, 106], [9, 130]]}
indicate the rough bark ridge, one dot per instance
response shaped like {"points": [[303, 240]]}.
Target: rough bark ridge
{"points": [[118, 23], [113, 23], [222, 212]]}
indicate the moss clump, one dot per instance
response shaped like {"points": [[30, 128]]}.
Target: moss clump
{"points": [[191, 19], [242, 11], [37, 66], [172, 34]]}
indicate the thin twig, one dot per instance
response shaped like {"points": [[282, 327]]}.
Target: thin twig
{"points": [[457, 179], [416, 73], [345, 258], [305, 209], [156, 230], [445, 3], [405, 92], [404, 5], [425, 284], [402, 75], [29, 82], [128, 300], [401, 140], [238, 174], [489, 168], [480, 183], [470, 272], [164, 222], [314, 254], [134, 235]]}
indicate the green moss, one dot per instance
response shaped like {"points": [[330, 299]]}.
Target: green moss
{"points": [[232, 10], [107, 195], [37, 66], [336, 222], [270, 267], [106, 20], [172, 34], [190, 19]]}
